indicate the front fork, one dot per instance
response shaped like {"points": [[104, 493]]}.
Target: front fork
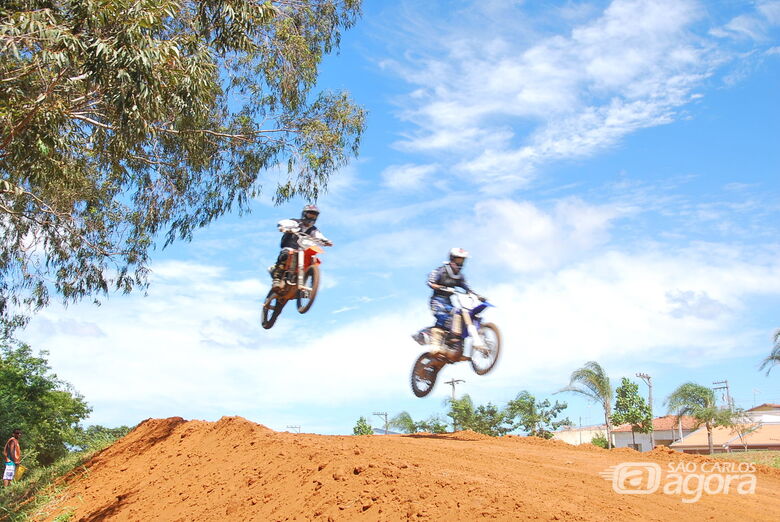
{"points": [[300, 268], [476, 339]]}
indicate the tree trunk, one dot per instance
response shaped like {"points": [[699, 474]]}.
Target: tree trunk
{"points": [[633, 438], [709, 439], [609, 429]]}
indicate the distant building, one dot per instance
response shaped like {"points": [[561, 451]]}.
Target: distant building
{"points": [[767, 408], [581, 435], [726, 440], [666, 430], [765, 413], [381, 431], [759, 431]]}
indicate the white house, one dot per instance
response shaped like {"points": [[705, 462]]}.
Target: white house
{"points": [[760, 431], [764, 413], [581, 435], [666, 430]]}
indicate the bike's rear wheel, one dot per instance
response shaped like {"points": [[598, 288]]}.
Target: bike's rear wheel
{"points": [[272, 308], [311, 282], [424, 373], [484, 359]]}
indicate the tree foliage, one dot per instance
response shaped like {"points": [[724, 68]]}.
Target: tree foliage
{"points": [[593, 382], [125, 120], [433, 424], [698, 402], [774, 356], [405, 424], [536, 418], [742, 425], [600, 440], [362, 427], [33, 399], [97, 436], [487, 419], [631, 408]]}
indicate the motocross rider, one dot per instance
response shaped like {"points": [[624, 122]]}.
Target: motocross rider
{"points": [[290, 243], [443, 280]]}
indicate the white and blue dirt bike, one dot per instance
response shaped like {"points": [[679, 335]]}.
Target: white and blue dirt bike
{"points": [[479, 342]]}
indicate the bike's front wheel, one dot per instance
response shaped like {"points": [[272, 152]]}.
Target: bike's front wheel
{"points": [[306, 294], [272, 308], [424, 373], [483, 359]]}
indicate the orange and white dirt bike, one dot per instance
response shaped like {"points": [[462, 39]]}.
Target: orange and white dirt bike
{"points": [[301, 277]]}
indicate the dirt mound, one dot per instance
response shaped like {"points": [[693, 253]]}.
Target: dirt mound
{"points": [[233, 469]]}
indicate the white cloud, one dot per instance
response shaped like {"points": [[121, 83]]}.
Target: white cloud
{"points": [[522, 237], [572, 94], [616, 307], [407, 176], [565, 293], [173, 352], [770, 9], [752, 26]]}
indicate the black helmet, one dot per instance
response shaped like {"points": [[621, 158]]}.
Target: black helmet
{"points": [[309, 214]]}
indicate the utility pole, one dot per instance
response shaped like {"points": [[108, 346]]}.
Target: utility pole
{"points": [[453, 382], [724, 385], [298, 428], [755, 391], [649, 381], [382, 414]]}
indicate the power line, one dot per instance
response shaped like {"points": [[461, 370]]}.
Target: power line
{"points": [[649, 381], [724, 385], [453, 382], [382, 414]]}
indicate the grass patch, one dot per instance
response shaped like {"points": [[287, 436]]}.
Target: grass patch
{"points": [[40, 491], [767, 458]]}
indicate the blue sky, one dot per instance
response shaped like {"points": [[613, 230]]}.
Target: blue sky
{"points": [[613, 167]]}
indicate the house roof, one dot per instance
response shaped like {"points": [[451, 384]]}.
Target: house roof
{"points": [[667, 422], [765, 406], [762, 435], [569, 429]]}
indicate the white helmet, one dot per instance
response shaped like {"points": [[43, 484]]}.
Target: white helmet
{"points": [[457, 258], [458, 252]]}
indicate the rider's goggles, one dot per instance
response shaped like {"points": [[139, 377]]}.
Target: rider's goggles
{"points": [[458, 260], [310, 215]]}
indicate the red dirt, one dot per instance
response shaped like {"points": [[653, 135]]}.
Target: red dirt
{"points": [[174, 470]]}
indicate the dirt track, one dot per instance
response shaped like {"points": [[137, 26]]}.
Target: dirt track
{"points": [[233, 469]]}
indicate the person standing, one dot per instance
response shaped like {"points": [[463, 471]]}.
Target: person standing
{"points": [[13, 456]]}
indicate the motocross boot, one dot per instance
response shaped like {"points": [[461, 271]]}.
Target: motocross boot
{"points": [[423, 336], [437, 343], [277, 278]]}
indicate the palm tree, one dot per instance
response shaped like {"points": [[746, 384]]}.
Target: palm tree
{"points": [[774, 357], [698, 402], [403, 422], [593, 382]]}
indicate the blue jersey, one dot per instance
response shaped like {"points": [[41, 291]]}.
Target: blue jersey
{"points": [[444, 276]]}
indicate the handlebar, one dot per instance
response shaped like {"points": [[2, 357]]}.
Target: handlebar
{"points": [[456, 290], [306, 237]]}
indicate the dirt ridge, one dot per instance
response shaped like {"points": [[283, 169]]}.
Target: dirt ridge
{"points": [[233, 469]]}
